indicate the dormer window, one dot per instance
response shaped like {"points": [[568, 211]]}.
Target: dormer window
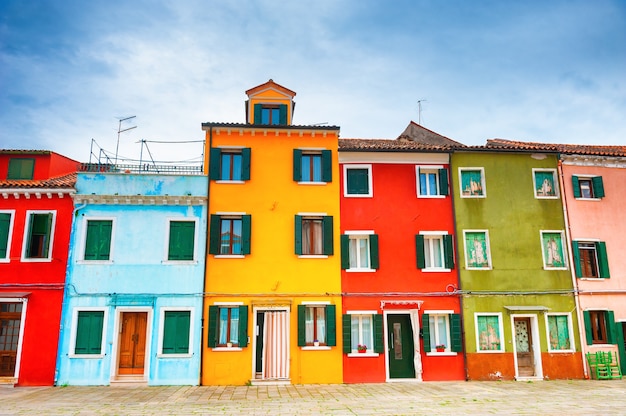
{"points": [[20, 168], [270, 114]]}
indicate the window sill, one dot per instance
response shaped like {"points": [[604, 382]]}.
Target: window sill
{"points": [[601, 345], [555, 268], [314, 348], [312, 183], [478, 268], [165, 356], [230, 182], [180, 262], [432, 196], [594, 279], [229, 256], [227, 349], [312, 256], [358, 195], [490, 351], [436, 270], [589, 199], [561, 351], [88, 356], [363, 354], [361, 270], [25, 260], [474, 196], [95, 262], [547, 197], [441, 354]]}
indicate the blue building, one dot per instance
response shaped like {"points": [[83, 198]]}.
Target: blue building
{"points": [[133, 301]]}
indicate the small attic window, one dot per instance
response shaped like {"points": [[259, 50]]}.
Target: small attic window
{"points": [[21, 168], [270, 114]]}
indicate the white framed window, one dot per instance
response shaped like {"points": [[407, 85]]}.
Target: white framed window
{"points": [[545, 183], [590, 187], [434, 250], [6, 234], [477, 249], [359, 251], [87, 339], [182, 234], [313, 234], [316, 324], [312, 166], [357, 181], [553, 250], [559, 332], [489, 332], [432, 181], [176, 331], [98, 239], [38, 236], [437, 325], [472, 182], [362, 332]]}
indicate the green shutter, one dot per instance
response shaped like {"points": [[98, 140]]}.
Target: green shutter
{"points": [[5, 222], [610, 327], [443, 181], [21, 169], [346, 333], [448, 251], [603, 261], [297, 165], [301, 325], [619, 331], [374, 263], [426, 332], [176, 332], [327, 166], [588, 331], [89, 332], [213, 325], [331, 325], [214, 234], [282, 110], [327, 223], [40, 225], [258, 113], [243, 326], [357, 181], [298, 234], [419, 251], [575, 186], [345, 251], [598, 187], [456, 333], [182, 240], [246, 231], [246, 154], [215, 163], [577, 268], [379, 344]]}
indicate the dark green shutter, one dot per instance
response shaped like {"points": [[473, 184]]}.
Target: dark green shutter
{"points": [[246, 154], [603, 261], [327, 223], [598, 187], [301, 325], [297, 165], [621, 348], [282, 110], [577, 267], [5, 222], [576, 186], [298, 234], [215, 163], [443, 181], [89, 332], [331, 325], [374, 263], [176, 332], [40, 224], [379, 343], [214, 234], [346, 333], [611, 336], [419, 251], [246, 231], [213, 325], [426, 332], [588, 329], [21, 169], [258, 113], [345, 251], [357, 181], [243, 326], [98, 240], [327, 166], [448, 251], [456, 334], [182, 240]]}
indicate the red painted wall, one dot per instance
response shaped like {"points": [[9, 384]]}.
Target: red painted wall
{"points": [[47, 164]]}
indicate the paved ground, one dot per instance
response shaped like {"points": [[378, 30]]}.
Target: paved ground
{"points": [[577, 397]]}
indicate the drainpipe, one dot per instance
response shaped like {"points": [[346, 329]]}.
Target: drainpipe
{"points": [[568, 238]]}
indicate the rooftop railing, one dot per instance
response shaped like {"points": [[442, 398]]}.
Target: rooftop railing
{"points": [[144, 168]]}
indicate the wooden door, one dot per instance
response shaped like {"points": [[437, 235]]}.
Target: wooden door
{"points": [[524, 348], [400, 346], [10, 323], [132, 342]]}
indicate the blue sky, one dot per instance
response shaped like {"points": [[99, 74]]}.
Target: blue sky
{"points": [[550, 71]]}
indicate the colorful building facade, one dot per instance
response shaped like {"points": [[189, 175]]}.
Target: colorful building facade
{"points": [[133, 305], [35, 219], [273, 283]]}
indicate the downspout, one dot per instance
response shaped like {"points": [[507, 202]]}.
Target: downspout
{"points": [[572, 266], [206, 253]]}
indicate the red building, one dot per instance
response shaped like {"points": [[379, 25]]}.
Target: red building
{"points": [[35, 219], [402, 316]]}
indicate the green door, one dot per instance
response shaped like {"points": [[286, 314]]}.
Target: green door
{"points": [[400, 346]]}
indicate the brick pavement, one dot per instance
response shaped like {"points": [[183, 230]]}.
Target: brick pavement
{"points": [[563, 397]]}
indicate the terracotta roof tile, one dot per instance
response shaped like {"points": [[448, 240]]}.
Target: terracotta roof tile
{"points": [[389, 145], [58, 182], [596, 150]]}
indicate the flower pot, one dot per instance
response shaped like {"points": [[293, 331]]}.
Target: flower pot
{"points": [[316, 344], [229, 344], [362, 351], [441, 349]]}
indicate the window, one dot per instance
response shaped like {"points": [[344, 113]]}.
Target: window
{"points": [[21, 168], [98, 240], [6, 232], [313, 235], [600, 327], [359, 252], [442, 332], [590, 259], [176, 335], [366, 329], [357, 181], [552, 250], [11, 322], [588, 187], [434, 251], [89, 328], [316, 324], [559, 332], [182, 236], [477, 254], [230, 164], [545, 183], [228, 326], [312, 166], [489, 332], [40, 230], [270, 114], [472, 182], [432, 181], [230, 234]]}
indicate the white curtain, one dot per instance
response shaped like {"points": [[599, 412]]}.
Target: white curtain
{"points": [[417, 357], [275, 346], [312, 237]]}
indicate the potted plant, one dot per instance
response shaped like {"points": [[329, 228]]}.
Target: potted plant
{"points": [[316, 343], [361, 348], [440, 348]]}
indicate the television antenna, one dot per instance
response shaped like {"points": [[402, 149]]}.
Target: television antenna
{"points": [[119, 130], [419, 111]]}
